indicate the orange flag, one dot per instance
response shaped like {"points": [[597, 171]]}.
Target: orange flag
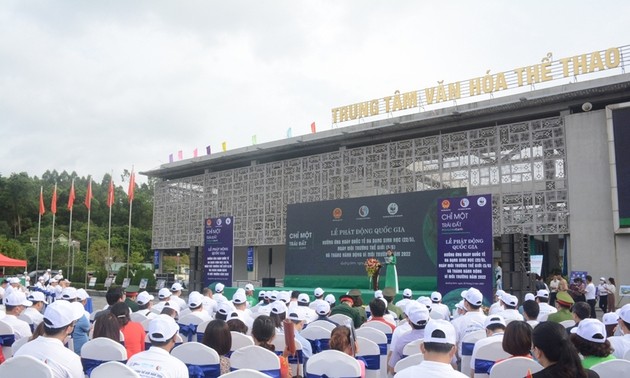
{"points": [[71, 196], [42, 209], [132, 186], [110, 193], [53, 202], [88, 194]]}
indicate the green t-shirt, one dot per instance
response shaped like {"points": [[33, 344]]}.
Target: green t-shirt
{"points": [[590, 361]]}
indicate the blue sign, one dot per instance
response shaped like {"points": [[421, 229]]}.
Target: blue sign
{"points": [[156, 259], [218, 250], [250, 259], [465, 245]]}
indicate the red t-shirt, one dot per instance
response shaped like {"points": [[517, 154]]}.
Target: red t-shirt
{"points": [[134, 338]]}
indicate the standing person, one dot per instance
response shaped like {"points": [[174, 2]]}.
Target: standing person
{"points": [[498, 276], [610, 289], [391, 275], [602, 294], [590, 294], [553, 289], [133, 331]]}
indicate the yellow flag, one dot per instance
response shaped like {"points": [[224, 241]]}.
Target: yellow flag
{"points": [[224, 146]]}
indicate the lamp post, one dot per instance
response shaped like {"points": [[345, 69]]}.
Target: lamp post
{"points": [[178, 256]]}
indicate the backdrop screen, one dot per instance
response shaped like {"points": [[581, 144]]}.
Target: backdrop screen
{"points": [[336, 237]]}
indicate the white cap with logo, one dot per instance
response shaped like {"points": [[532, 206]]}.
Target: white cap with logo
{"points": [[592, 330], [144, 298], [195, 299], [162, 328], [446, 328], [164, 293], [61, 313], [17, 298]]}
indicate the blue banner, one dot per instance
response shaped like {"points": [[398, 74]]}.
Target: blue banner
{"points": [[250, 259], [465, 246], [156, 259], [218, 250]]}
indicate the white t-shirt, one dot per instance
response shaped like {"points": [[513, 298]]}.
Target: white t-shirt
{"points": [[495, 308], [157, 363], [20, 327], [510, 314], [442, 309], [36, 316], [62, 361], [590, 291], [620, 344], [182, 303], [430, 369], [545, 311], [470, 322]]}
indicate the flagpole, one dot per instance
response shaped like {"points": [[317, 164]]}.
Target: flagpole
{"points": [[88, 201], [70, 203], [52, 238], [39, 225], [129, 238], [109, 232]]}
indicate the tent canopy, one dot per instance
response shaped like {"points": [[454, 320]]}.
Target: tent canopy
{"points": [[8, 262]]}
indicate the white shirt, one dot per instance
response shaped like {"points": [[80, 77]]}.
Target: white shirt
{"points": [[182, 303], [470, 322], [20, 327], [601, 290], [510, 314], [403, 303], [590, 292], [210, 305], [203, 315], [313, 305], [495, 338], [442, 309], [545, 311], [495, 308], [36, 316], [157, 363], [62, 361], [430, 369], [398, 332], [620, 344]]}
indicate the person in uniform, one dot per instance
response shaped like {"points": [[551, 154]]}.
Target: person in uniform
{"points": [[564, 301]]}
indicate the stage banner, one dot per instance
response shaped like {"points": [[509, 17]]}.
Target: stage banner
{"points": [[250, 259], [465, 246], [331, 240], [218, 250]]}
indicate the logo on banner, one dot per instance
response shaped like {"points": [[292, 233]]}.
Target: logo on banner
{"points": [[446, 204], [481, 201], [219, 222], [209, 222], [392, 208], [337, 213], [364, 211], [464, 202], [228, 221]]}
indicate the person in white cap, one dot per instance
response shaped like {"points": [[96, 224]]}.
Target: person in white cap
{"points": [[319, 298], [176, 292], [15, 303], [59, 319], [157, 361], [41, 283], [330, 298], [298, 323], [145, 304], [14, 285], [46, 276], [195, 304], [239, 300], [164, 295], [497, 306], [542, 297], [437, 307], [407, 297], [36, 311], [303, 309], [249, 293], [602, 295], [621, 344], [611, 321], [438, 350], [589, 338], [218, 293], [510, 304], [404, 326], [460, 309], [418, 317], [474, 318], [495, 327]]}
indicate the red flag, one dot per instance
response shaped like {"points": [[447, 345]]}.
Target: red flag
{"points": [[71, 196], [42, 209], [88, 194], [53, 201], [180, 155], [313, 128], [195, 152], [110, 193], [132, 185]]}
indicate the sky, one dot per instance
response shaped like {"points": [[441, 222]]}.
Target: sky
{"points": [[97, 87]]}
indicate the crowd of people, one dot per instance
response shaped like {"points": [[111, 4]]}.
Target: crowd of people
{"points": [[550, 326]]}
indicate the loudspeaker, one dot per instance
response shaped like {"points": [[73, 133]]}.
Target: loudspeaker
{"points": [[269, 281], [196, 269], [270, 256]]}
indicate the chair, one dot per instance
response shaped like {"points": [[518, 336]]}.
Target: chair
{"points": [[318, 337], [7, 338], [322, 323], [199, 358], [24, 316], [371, 354], [568, 323], [113, 369], [468, 344], [333, 363], [612, 368], [240, 340], [18, 344], [138, 317], [100, 350], [257, 358], [188, 327], [515, 367], [201, 329], [408, 361], [340, 319], [627, 355], [380, 339], [486, 356], [279, 343], [18, 366], [412, 348], [145, 324], [245, 373], [387, 330]]}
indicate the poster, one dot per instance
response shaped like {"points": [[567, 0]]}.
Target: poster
{"points": [[250, 259], [108, 281], [536, 262], [126, 282], [159, 284], [92, 282], [465, 245], [218, 250], [143, 283]]}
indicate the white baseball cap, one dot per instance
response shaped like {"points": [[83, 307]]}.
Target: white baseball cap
{"points": [[330, 298], [176, 287], [592, 330], [425, 301], [249, 287], [436, 296], [407, 293], [529, 297], [164, 293], [624, 313], [510, 300], [318, 292], [224, 308], [36, 296], [14, 280], [239, 297], [499, 293], [378, 294], [195, 299], [430, 336], [162, 328], [173, 305], [542, 293], [610, 318], [303, 298], [60, 314], [284, 296], [297, 316], [418, 315], [494, 319], [69, 293], [144, 298], [219, 287], [278, 307], [17, 298], [473, 296], [460, 305], [323, 308], [82, 294]]}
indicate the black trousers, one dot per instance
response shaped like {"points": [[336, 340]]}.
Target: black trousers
{"points": [[591, 302], [603, 303]]}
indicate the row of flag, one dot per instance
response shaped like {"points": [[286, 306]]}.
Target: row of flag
{"points": [[180, 153], [88, 195]]}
